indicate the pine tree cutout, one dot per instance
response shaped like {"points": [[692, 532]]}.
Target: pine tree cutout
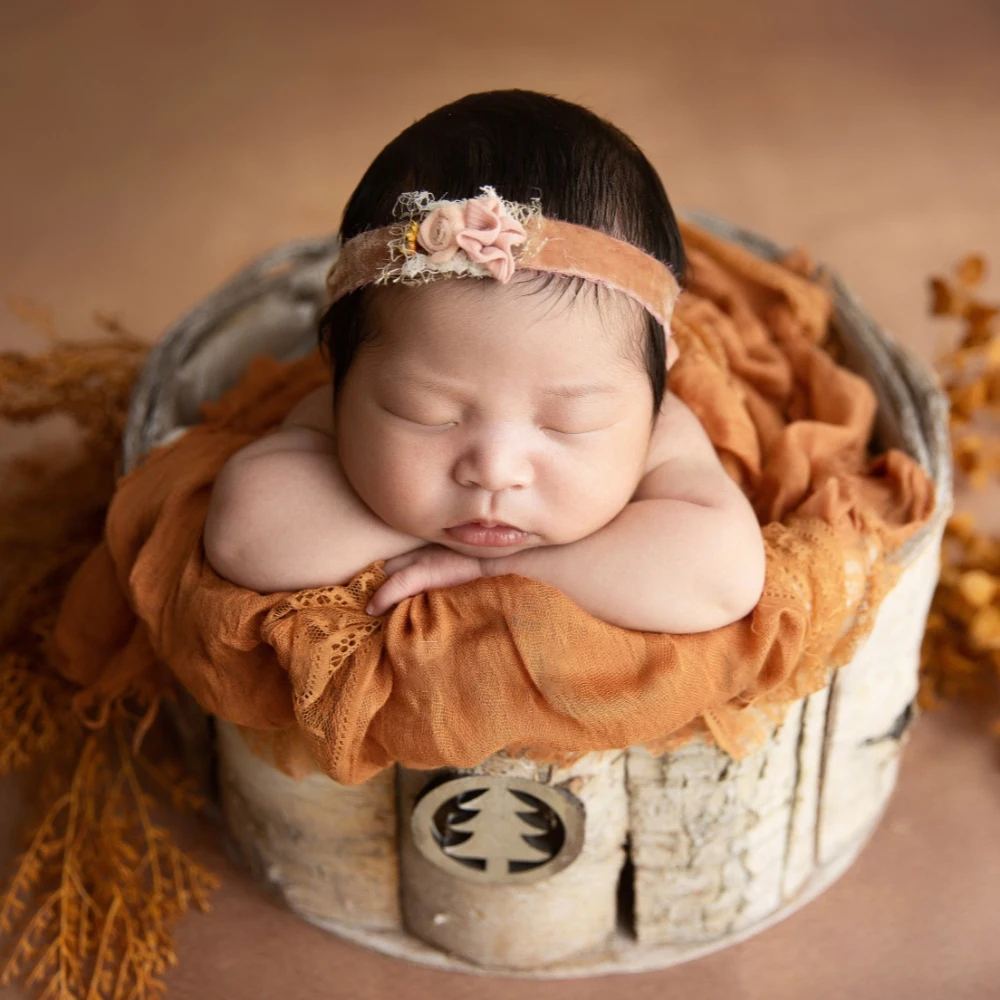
{"points": [[501, 836]]}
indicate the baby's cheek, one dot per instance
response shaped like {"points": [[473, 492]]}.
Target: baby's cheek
{"points": [[369, 469], [604, 488], [404, 485]]}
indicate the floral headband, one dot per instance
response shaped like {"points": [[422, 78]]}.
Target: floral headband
{"points": [[489, 237]]}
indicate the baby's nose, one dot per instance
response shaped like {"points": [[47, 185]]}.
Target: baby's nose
{"points": [[494, 467]]}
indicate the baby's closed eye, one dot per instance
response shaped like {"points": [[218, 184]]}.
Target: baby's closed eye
{"points": [[565, 427]]}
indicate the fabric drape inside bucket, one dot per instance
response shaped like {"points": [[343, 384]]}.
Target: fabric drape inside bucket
{"points": [[452, 676]]}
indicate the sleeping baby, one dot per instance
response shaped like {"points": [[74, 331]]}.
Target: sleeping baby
{"points": [[499, 338]]}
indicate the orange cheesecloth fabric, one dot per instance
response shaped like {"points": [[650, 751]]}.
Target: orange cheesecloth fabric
{"points": [[451, 676]]}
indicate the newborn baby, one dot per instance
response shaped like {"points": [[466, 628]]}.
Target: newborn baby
{"points": [[501, 419]]}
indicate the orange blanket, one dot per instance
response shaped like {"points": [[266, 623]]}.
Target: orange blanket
{"points": [[451, 676]]}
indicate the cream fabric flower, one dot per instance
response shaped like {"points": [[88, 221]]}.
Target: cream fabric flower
{"points": [[438, 231]]}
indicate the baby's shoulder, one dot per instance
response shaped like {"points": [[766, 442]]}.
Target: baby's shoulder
{"points": [[296, 433], [314, 410], [677, 433]]}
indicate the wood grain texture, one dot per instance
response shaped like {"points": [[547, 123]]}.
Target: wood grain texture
{"points": [[524, 926], [800, 855], [329, 850], [709, 835], [870, 710]]}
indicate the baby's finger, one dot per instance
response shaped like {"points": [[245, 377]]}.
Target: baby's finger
{"points": [[396, 563], [379, 603], [398, 587]]}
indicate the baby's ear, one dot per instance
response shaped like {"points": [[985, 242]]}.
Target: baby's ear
{"points": [[673, 352]]}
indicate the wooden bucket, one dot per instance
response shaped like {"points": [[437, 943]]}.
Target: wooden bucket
{"points": [[622, 861]]}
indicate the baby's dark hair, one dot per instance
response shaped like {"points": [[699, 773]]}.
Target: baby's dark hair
{"points": [[525, 145]]}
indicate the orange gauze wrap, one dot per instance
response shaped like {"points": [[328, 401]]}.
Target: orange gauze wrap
{"points": [[452, 676]]}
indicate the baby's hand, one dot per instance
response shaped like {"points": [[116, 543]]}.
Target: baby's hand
{"points": [[431, 567]]}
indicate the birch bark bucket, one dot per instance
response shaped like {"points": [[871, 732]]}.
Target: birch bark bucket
{"points": [[622, 861]]}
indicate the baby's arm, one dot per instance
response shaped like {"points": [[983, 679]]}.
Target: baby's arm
{"points": [[685, 555], [283, 515]]}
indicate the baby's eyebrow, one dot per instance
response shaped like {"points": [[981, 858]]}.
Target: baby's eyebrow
{"points": [[580, 391], [562, 391]]}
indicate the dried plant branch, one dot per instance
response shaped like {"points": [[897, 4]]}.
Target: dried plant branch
{"points": [[84, 914]]}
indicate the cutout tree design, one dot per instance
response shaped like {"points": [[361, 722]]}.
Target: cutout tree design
{"points": [[499, 838], [476, 827]]}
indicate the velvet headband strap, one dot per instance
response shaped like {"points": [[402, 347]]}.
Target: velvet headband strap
{"points": [[485, 237]]}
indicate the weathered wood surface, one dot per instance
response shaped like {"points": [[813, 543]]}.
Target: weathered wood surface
{"points": [[524, 925], [709, 835], [329, 849], [720, 844], [800, 858], [871, 707]]}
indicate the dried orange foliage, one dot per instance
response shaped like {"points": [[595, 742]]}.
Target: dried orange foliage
{"points": [[102, 877], [84, 914], [961, 649], [970, 371]]}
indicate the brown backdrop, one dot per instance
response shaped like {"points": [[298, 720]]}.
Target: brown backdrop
{"points": [[149, 150]]}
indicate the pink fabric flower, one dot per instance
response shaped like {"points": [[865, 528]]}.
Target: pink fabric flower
{"points": [[482, 228], [490, 235], [438, 231]]}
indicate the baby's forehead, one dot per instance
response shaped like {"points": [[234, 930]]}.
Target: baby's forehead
{"points": [[530, 297], [478, 344]]}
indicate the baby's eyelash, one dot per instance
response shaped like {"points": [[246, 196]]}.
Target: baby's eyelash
{"points": [[454, 423], [420, 423], [551, 430], [433, 427]]}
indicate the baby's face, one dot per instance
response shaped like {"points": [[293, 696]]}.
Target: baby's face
{"points": [[483, 401]]}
